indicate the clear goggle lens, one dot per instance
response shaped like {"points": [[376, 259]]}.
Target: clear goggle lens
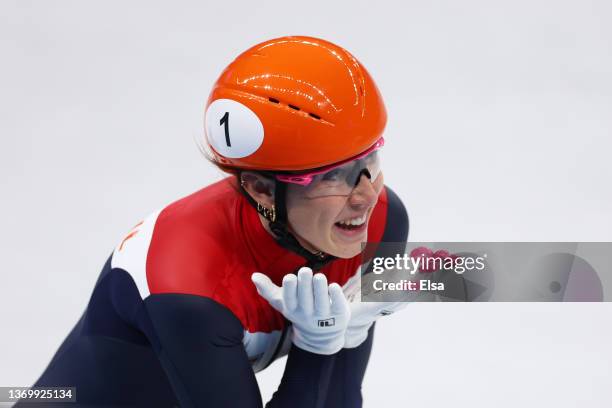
{"points": [[342, 180]]}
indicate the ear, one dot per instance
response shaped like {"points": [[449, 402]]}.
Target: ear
{"points": [[260, 188]]}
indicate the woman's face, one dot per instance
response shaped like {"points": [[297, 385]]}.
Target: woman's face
{"points": [[335, 224]]}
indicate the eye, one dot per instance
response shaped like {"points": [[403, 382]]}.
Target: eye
{"points": [[333, 175]]}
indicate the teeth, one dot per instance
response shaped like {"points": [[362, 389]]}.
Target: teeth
{"points": [[354, 221]]}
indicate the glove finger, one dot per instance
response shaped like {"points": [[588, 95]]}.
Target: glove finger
{"points": [[321, 295], [365, 312], [304, 290], [339, 304], [265, 287], [290, 296]]}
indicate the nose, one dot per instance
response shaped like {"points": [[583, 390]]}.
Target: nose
{"points": [[364, 194]]}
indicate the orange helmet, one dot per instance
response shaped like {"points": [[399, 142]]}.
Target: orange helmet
{"points": [[291, 104]]}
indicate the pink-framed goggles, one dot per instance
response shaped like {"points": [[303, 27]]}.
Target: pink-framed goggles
{"points": [[339, 178]]}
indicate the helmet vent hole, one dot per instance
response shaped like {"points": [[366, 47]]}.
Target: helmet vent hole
{"points": [[315, 116], [273, 100], [294, 107]]}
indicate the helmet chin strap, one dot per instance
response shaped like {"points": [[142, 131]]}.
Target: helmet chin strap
{"points": [[281, 230]]}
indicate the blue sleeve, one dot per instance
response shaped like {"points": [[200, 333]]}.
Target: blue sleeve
{"points": [[306, 380], [199, 344], [349, 370], [398, 224]]}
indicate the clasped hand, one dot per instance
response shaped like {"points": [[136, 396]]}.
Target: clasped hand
{"points": [[324, 321]]}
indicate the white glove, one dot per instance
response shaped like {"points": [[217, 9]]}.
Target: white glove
{"points": [[318, 326], [363, 314]]}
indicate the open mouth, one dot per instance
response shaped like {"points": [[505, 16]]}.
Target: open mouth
{"points": [[352, 224]]}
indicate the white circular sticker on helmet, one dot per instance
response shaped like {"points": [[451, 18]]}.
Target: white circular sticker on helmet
{"points": [[233, 130]]}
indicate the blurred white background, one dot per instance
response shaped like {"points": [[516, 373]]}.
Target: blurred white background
{"points": [[499, 129]]}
